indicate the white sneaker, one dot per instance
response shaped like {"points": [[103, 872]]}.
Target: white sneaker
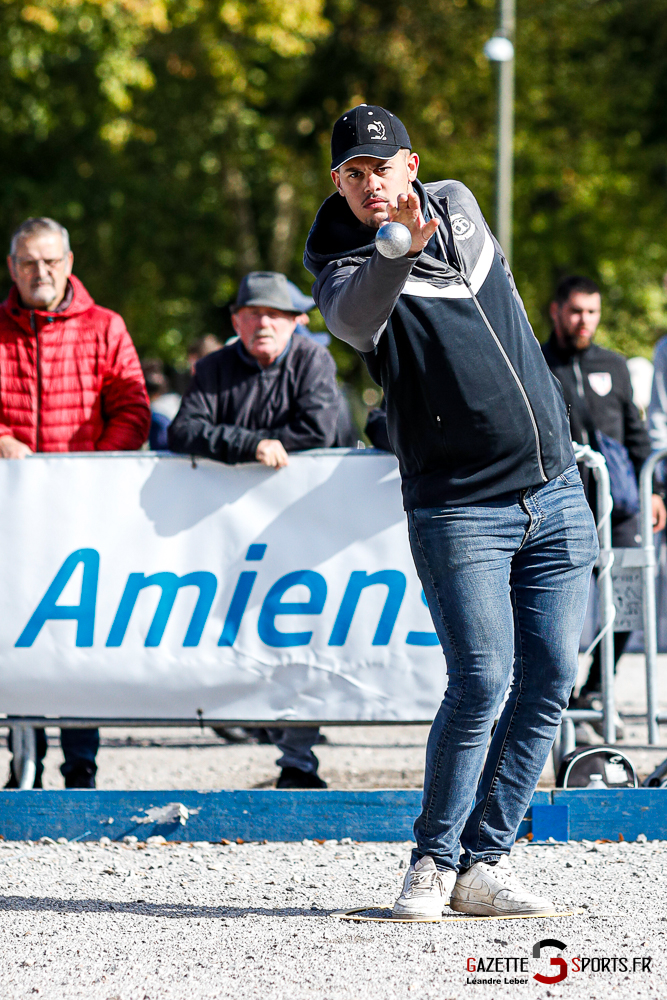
{"points": [[495, 891], [426, 891]]}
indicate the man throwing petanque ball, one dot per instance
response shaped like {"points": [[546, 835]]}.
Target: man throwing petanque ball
{"points": [[501, 534]]}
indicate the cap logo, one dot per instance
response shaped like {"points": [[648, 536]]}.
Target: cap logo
{"points": [[376, 130], [462, 228]]}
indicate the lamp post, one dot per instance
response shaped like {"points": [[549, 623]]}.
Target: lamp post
{"points": [[500, 49]]}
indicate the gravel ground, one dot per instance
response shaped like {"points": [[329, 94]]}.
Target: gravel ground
{"points": [[182, 922], [190, 921]]}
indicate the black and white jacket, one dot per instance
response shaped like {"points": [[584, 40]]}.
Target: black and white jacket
{"points": [[473, 411]]}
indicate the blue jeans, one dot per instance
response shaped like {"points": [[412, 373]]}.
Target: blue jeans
{"points": [[295, 744], [507, 585]]}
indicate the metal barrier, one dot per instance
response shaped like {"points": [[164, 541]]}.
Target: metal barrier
{"points": [[653, 716], [23, 727], [565, 738], [23, 744], [645, 560]]}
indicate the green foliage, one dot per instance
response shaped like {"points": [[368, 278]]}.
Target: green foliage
{"points": [[184, 142]]}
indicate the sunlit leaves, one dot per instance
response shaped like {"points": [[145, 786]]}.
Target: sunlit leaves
{"points": [[185, 141]]}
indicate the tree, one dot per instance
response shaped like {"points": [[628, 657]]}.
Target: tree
{"points": [[185, 142], [140, 126]]}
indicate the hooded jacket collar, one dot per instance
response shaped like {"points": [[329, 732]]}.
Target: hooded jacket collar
{"points": [[76, 301], [337, 234]]}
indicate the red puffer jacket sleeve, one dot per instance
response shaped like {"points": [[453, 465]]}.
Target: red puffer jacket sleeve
{"points": [[125, 408]]}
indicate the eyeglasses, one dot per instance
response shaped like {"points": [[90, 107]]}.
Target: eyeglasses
{"points": [[30, 266]]}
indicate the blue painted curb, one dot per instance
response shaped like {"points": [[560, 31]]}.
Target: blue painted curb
{"points": [[609, 813], [249, 815], [384, 815], [550, 821]]}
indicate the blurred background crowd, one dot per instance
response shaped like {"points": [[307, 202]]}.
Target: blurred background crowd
{"points": [[185, 143]]}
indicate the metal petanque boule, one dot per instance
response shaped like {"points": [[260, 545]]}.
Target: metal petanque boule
{"points": [[393, 240]]}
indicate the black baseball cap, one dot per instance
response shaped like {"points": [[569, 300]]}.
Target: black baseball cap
{"points": [[265, 288], [367, 130]]}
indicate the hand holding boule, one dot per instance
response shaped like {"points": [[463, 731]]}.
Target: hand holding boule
{"points": [[408, 213]]}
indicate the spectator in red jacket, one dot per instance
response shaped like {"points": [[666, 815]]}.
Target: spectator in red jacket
{"points": [[70, 380]]}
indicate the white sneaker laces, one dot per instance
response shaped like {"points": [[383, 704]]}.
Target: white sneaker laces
{"points": [[503, 873], [422, 882]]}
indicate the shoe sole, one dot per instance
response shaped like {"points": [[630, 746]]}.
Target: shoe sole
{"points": [[399, 915], [487, 910], [302, 788]]}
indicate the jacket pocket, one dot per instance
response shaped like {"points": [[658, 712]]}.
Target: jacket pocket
{"points": [[570, 477]]}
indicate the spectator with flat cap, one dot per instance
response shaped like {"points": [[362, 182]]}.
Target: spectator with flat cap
{"points": [[70, 380], [269, 393]]}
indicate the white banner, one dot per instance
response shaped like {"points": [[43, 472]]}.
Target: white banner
{"points": [[139, 586]]}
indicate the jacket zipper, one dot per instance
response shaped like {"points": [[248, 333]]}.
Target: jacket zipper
{"points": [[38, 414], [441, 429], [502, 350], [579, 379]]}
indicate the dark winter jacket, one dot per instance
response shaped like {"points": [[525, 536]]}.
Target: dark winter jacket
{"points": [[232, 404], [602, 379], [472, 409]]}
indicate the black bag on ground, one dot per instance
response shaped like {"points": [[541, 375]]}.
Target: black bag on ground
{"points": [[614, 768]]}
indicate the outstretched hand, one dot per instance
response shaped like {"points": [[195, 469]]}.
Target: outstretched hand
{"points": [[409, 213]]}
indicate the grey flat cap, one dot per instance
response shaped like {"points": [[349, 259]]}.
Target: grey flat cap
{"points": [[265, 288]]}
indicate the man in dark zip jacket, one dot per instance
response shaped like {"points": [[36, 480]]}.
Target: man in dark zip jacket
{"points": [[502, 536], [266, 394], [598, 392], [270, 393]]}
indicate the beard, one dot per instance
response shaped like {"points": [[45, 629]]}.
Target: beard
{"points": [[579, 341], [42, 294], [377, 220]]}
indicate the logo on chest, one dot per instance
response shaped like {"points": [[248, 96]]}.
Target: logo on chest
{"points": [[600, 382], [462, 228]]}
